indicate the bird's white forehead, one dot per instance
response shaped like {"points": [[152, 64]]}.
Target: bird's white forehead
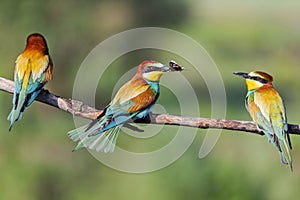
{"points": [[254, 74], [157, 64]]}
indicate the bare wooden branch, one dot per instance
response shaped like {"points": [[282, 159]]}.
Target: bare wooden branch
{"points": [[79, 109], [72, 106]]}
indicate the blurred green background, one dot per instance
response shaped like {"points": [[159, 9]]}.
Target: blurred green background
{"points": [[36, 161]]}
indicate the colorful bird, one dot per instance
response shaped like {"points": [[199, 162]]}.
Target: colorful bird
{"points": [[133, 101], [268, 112], [33, 70]]}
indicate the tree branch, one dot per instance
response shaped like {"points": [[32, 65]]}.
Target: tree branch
{"points": [[79, 109]]}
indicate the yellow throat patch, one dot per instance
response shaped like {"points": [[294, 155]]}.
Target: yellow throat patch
{"points": [[153, 76], [252, 84]]}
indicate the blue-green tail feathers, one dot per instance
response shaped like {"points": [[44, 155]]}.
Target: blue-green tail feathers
{"points": [[18, 108], [22, 100], [285, 153], [282, 145], [104, 141]]}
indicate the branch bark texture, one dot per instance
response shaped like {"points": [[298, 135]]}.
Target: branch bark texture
{"points": [[78, 108]]}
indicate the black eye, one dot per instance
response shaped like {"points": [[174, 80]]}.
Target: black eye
{"points": [[263, 81], [256, 78]]}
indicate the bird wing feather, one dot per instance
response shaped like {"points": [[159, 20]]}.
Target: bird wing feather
{"points": [[121, 111], [39, 67], [268, 111], [130, 90], [257, 116], [32, 71], [271, 106], [143, 100]]}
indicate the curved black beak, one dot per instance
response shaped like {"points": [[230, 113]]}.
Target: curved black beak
{"points": [[243, 74], [165, 68]]}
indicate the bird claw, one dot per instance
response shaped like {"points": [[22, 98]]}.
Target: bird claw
{"points": [[146, 119]]}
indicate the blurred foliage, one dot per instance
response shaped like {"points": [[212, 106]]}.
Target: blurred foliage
{"points": [[36, 161]]}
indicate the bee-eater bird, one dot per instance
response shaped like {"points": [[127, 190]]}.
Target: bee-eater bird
{"points": [[33, 70], [267, 110], [133, 101]]}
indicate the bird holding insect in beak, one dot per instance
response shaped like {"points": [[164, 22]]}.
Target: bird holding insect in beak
{"points": [[33, 70], [267, 110], [133, 101]]}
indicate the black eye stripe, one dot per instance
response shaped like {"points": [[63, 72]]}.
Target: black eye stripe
{"points": [[259, 79], [150, 69]]}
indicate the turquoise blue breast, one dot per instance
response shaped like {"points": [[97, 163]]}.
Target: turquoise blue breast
{"points": [[154, 86]]}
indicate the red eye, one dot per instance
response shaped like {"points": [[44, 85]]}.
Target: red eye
{"points": [[152, 68]]}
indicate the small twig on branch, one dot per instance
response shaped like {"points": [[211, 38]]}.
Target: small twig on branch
{"points": [[79, 109]]}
